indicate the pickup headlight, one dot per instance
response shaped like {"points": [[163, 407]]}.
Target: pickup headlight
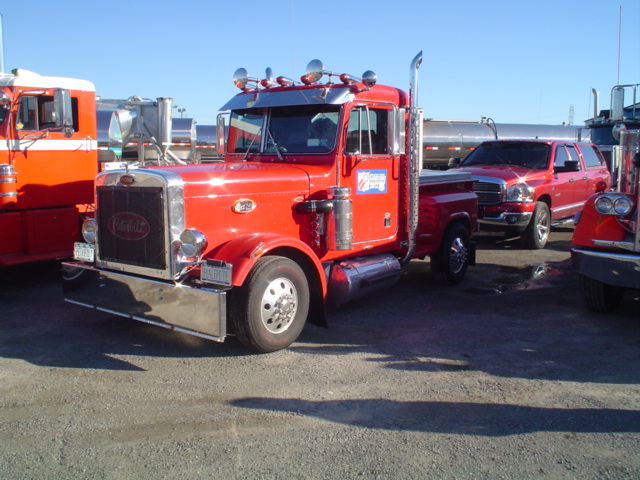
{"points": [[614, 205], [520, 193], [89, 230]]}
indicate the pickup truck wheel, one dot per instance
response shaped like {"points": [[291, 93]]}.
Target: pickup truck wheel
{"points": [[599, 296], [450, 263], [269, 311], [537, 232]]}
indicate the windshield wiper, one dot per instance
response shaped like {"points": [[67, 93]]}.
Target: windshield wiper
{"points": [[275, 144]]}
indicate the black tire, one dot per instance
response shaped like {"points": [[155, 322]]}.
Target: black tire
{"points": [[536, 235], [599, 296], [270, 310], [449, 264], [74, 277]]}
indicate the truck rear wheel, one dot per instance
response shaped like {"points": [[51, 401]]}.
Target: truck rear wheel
{"points": [[599, 296], [269, 311], [450, 263], [537, 232]]}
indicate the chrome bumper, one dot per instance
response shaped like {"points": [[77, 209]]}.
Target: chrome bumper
{"points": [[616, 269], [197, 310], [507, 219]]}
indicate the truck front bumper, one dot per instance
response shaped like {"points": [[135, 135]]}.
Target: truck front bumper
{"points": [[193, 309], [616, 269], [505, 219]]}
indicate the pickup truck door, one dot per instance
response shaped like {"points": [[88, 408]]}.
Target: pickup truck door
{"points": [[371, 173], [571, 184]]}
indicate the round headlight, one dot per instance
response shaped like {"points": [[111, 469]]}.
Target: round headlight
{"points": [[192, 242], [622, 206], [603, 205], [89, 230]]}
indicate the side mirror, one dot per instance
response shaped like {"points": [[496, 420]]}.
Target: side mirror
{"points": [[571, 166], [397, 131], [64, 112], [455, 162], [220, 139]]}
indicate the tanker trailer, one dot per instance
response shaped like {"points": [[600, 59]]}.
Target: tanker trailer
{"points": [[447, 139]]}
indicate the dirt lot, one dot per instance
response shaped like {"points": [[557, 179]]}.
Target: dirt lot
{"points": [[504, 376]]}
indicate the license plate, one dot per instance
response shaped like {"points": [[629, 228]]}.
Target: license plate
{"points": [[216, 272], [84, 252]]}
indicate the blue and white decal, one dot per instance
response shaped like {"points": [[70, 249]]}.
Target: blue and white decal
{"points": [[372, 181]]}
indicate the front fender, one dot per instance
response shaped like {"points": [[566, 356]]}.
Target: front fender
{"points": [[243, 252]]}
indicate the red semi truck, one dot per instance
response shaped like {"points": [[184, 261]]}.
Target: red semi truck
{"points": [[606, 238], [320, 198]]}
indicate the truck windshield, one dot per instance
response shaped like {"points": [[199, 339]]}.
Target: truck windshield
{"points": [[534, 156], [292, 129]]}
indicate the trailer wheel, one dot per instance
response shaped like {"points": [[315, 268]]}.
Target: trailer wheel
{"points": [[450, 263], [269, 311], [599, 296], [537, 232]]}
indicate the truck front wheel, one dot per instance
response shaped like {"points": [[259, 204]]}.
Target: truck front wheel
{"points": [[450, 263], [269, 311], [599, 296], [537, 232]]}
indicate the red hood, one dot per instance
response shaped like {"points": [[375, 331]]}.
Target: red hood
{"points": [[246, 179], [509, 174]]}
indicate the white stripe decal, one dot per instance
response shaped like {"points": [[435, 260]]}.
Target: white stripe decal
{"points": [[49, 145]]}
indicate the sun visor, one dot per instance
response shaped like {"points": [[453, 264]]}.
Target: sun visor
{"points": [[336, 95]]}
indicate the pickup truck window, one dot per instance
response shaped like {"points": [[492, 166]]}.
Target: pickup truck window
{"points": [[533, 156], [592, 158]]}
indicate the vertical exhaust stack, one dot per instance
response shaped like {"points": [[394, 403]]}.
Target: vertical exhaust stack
{"points": [[164, 125], [415, 157], [596, 103]]}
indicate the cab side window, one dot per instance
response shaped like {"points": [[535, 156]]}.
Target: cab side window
{"points": [[37, 113], [367, 132]]}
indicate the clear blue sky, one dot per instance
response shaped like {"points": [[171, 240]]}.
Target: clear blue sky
{"points": [[516, 61]]}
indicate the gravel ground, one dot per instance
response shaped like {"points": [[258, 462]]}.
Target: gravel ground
{"points": [[503, 376]]}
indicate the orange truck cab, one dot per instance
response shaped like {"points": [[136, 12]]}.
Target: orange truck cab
{"points": [[320, 198], [48, 162]]}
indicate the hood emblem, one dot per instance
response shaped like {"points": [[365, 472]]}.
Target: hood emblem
{"points": [[127, 179], [243, 205]]}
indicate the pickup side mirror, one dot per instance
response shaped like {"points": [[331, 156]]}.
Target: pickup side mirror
{"points": [[455, 162], [569, 166]]}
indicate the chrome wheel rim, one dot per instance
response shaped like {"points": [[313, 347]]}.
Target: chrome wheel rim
{"points": [[279, 305]]}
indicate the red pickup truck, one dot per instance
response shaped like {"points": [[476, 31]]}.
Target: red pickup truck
{"points": [[525, 187]]}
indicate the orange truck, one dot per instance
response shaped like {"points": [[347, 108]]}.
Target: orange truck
{"points": [[48, 161], [320, 199], [55, 136]]}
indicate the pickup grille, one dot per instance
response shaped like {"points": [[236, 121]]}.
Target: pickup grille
{"points": [[488, 193], [131, 226]]}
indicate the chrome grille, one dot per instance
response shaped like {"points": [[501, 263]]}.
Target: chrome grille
{"points": [[488, 193], [143, 209]]}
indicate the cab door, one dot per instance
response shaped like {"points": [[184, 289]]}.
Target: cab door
{"points": [[371, 172]]}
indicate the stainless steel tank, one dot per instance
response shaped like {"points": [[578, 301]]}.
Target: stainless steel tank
{"points": [[446, 139]]}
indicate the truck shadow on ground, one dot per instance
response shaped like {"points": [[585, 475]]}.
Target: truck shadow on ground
{"points": [[462, 418], [40, 328], [495, 321]]}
